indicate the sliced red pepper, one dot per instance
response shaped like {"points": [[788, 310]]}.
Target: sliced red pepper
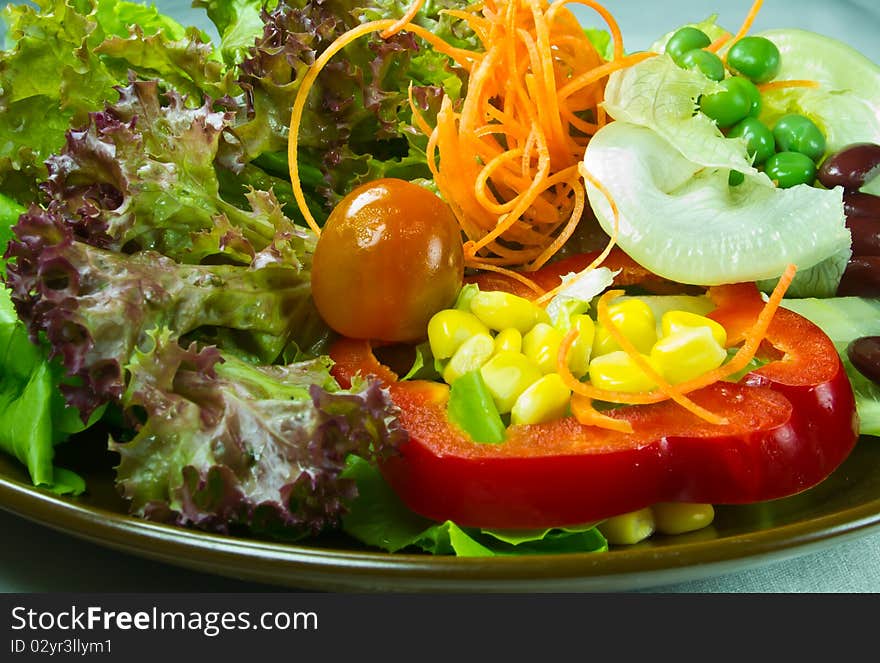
{"points": [[791, 423]]}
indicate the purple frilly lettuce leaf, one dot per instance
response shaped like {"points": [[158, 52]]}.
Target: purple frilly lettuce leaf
{"points": [[224, 445]]}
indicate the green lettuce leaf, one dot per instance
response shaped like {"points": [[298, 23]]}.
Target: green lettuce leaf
{"points": [[49, 78], [117, 18], [844, 319], [33, 414], [378, 518], [9, 213], [601, 41], [65, 59], [357, 125], [188, 65], [239, 23], [141, 175]]}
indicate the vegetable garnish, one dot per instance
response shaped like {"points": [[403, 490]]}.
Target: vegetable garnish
{"points": [[388, 286]]}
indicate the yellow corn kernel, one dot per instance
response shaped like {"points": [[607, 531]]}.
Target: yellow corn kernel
{"points": [[673, 321], [582, 348], [507, 375], [616, 371], [628, 528], [680, 517], [449, 328], [541, 345], [687, 353], [500, 310], [545, 400], [508, 340], [470, 356], [637, 322]]}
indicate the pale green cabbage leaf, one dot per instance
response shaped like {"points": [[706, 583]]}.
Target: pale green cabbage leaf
{"points": [[666, 166]]}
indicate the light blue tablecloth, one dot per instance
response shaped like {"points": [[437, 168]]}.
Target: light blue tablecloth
{"points": [[36, 559]]}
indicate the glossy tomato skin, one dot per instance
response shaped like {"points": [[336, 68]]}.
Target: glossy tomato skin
{"points": [[388, 258]]}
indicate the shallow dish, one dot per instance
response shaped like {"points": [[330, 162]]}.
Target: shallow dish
{"points": [[846, 505]]}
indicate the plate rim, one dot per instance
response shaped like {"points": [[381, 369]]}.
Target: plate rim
{"points": [[317, 568]]}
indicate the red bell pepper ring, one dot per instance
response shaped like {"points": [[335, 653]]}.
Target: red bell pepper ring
{"points": [[790, 424]]}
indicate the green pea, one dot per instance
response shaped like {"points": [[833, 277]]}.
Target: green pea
{"points": [[686, 39], [759, 139], [709, 64], [735, 178], [756, 58], [727, 106], [789, 169], [796, 133], [751, 91]]}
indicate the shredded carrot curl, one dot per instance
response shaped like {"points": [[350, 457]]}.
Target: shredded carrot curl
{"points": [[404, 20], [749, 20], [716, 45], [506, 160], [582, 409], [782, 85]]}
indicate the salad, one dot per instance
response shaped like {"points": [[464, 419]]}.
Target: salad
{"points": [[464, 278]]}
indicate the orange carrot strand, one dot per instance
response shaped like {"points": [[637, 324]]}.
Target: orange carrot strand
{"points": [[783, 85], [402, 22], [582, 409]]}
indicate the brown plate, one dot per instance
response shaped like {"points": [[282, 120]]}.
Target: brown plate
{"points": [[846, 505]]}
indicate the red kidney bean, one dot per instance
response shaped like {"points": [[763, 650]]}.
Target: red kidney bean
{"points": [[861, 278], [865, 231], [851, 167], [856, 203], [864, 353]]}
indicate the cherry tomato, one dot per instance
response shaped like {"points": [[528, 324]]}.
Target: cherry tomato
{"points": [[388, 258]]}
